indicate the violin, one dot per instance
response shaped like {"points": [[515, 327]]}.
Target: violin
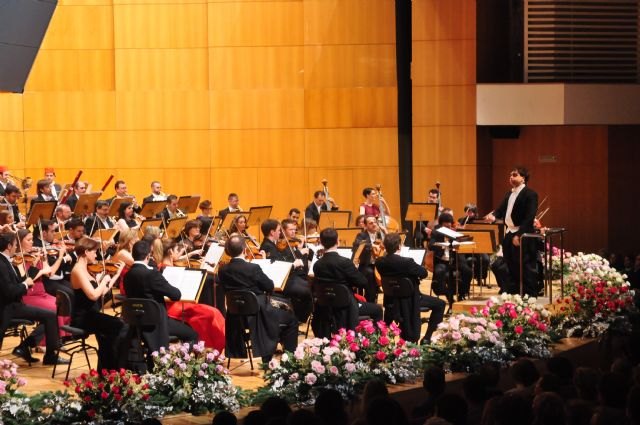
{"points": [[108, 267], [18, 259], [190, 263]]}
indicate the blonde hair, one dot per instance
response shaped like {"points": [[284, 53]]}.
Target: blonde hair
{"points": [[126, 238]]}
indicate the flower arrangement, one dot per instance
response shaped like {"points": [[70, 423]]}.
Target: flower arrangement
{"points": [[343, 363], [559, 264], [9, 379], [522, 323], [463, 343], [192, 379], [595, 295]]}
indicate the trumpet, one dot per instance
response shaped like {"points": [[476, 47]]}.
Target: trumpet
{"points": [[25, 183]]}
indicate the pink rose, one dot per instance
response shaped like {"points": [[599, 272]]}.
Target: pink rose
{"points": [[381, 355], [310, 379], [365, 342], [384, 341], [397, 352], [518, 329], [499, 324], [414, 352], [474, 310], [513, 314], [354, 347], [501, 310]]}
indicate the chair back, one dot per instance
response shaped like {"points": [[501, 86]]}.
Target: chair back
{"points": [[241, 302], [332, 294], [63, 304], [141, 312], [397, 287]]}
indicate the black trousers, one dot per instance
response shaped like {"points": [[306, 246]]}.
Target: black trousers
{"points": [[370, 309], [437, 306], [53, 286], [181, 330], [288, 325], [298, 290], [109, 331], [48, 325], [511, 255], [371, 290]]}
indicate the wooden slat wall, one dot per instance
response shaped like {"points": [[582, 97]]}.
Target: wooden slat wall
{"points": [[444, 116], [264, 98]]}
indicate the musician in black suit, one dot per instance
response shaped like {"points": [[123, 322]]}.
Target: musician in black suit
{"points": [[79, 189], [171, 211], [445, 261], [44, 192], [12, 288], [272, 324], [372, 238], [143, 281], [156, 193], [297, 287], [518, 209], [234, 205], [100, 219], [312, 212], [393, 265], [334, 268], [11, 196]]}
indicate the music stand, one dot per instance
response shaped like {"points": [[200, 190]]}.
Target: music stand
{"points": [[485, 243], [175, 226], [152, 209], [107, 235], [215, 225], [258, 215], [188, 281], [496, 228], [335, 219], [347, 235], [147, 223], [41, 211], [417, 211], [86, 204], [228, 219], [188, 204], [115, 205]]}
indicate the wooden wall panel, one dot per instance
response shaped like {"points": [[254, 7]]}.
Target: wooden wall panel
{"points": [[355, 147], [349, 22], [158, 26], [257, 148], [278, 23], [243, 181], [351, 107], [575, 184], [73, 149], [69, 110], [11, 112], [86, 27], [12, 143], [283, 188], [232, 68], [170, 110], [444, 145], [444, 62], [72, 70], [339, 183], [161, 69], [444, 20], [444, 105], [369, 65], [458, 184], [248, 109]]}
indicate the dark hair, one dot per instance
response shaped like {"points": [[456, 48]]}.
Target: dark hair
{"points": [[234, 246], [101, 203], [475, 388], [329, 237], [358, 218], [445, 218], [275, 407], [85, 244], [121, 209], [548, 409], [73, 223], [167, 245], [288, 221], [224, 418], [42, 183], [452, 408], [433, 380], [191, 224], [436, 191], [330, 407], [367, 217], [11, 189], [232, 195], [366, 191], [6, 239], [524, 372], [385, 411], [171, 198], [523, 172], [317, 193], [268, 226], [294, 210], [140, 250], [392, 242], [206, 204], [45, 227], [118, 183], [471, 206]]}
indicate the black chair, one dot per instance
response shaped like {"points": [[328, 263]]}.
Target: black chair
{"points": [[76, 341], [333, 297], [144, 315], [18, 328], [242, 304], [395, 289]]}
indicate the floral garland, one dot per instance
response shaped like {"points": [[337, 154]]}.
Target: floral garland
{"points": [[595, 296], [343, 363], [192, 379]]}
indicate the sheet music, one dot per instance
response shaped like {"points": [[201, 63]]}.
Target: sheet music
{"points": [[449, 233], [214, 254], [278, 271], [345, 252], [188, 281], [416, 255]]}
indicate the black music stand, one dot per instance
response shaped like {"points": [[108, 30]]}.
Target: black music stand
{"points": [[86, 204], [453, 245], [335, 219], [418, 212]]}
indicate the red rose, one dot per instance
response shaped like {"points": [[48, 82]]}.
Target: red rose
{"points": [[91, 413], [104, 395], [381, 355], [518, 329]]}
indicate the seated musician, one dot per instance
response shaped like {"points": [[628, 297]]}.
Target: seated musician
{"points": [[56, 258], [297, 287], [143, 281], [371, 203], [312, 212], [43, 188], [171, 211], [423, 229], [126, 217], [50, 174], [206, 216], [372, 237], [393, 265], [272, 324], [234, 205], [75, 232], [79, 189], [100, 219], [190, 239], [11, 196], [4, 178], [156, 193], [334, 268], [445, 261], [294, 214], [62, 215]]}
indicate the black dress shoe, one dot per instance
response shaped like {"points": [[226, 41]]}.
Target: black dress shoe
{"points": [[24, 354], [53, 361]]}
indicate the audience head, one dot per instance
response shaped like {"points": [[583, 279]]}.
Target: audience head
{"points": [[433, 380], [330, 408], [453, 408], [275, 407], [475, 388], [586, 382], [224, 418], [548, 409], [612, 390], [385, 411], [561, 367], [524, 372]]}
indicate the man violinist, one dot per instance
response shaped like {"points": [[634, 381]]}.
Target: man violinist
{"points": [[234, 205], [276, 248], [372, 238]]}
